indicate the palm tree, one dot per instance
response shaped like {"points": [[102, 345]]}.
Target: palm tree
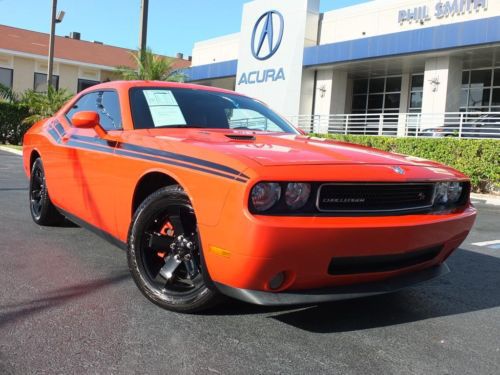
{"points": [[151, 67], [43, 104]]}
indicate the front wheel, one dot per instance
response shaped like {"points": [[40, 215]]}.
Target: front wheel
{"points": [[164, 253]]}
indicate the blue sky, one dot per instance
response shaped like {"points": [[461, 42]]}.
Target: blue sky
{"points": [[174, 25]]}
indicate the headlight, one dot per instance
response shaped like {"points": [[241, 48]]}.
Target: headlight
{"points": [[441, 196], [265, 195], [448, 192], [297, 194], [455, 191]]}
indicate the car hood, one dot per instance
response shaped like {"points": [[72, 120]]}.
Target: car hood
{"points": [[274, 149]]}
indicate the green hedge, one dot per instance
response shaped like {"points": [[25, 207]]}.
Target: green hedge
{"points": [[477, 158], [11, 127]]}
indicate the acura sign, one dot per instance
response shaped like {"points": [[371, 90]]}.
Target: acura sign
{"points": [[441, 9], [272, 40], [267, 35]]}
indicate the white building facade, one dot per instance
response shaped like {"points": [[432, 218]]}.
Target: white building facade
{"points": [[383, 62]]}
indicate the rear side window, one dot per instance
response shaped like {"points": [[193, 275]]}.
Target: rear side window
{"points": [[105, 103]]}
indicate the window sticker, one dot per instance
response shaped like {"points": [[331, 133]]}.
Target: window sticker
{"points": [[164, 108]]}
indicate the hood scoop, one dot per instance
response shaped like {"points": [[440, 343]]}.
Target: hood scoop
{"points": [[241, 137]]}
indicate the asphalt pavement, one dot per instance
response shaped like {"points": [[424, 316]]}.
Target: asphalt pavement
{"points": [[69, 306]]}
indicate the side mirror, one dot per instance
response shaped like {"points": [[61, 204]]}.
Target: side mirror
{"points": [[85, 119], [88, 120]]}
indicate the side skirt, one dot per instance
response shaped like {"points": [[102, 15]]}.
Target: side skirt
{"points": [[103, 234]]}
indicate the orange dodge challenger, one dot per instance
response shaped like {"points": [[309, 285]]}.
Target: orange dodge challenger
{"points": [[212, 193]]}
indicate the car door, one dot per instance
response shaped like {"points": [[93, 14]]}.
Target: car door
{"points": [[92, 164]]}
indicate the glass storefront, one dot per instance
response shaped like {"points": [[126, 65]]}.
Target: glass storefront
{"points": [[376, 95], [480, 90], [416, 93]]}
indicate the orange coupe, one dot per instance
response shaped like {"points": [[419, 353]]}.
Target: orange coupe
{"points": [[212, 193]]}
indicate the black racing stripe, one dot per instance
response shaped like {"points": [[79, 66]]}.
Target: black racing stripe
{"points": [[170, 162], [90, 139], [109, 150], [54, 135], [189, 159], [103, 146], [167, 154], [88, 146], [60, 129]]}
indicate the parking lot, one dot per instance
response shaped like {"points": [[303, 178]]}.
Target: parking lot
{"points": [[68, 305]]}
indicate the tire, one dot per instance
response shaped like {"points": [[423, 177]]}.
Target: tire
{"points": [[165, 256], [42, 210]]}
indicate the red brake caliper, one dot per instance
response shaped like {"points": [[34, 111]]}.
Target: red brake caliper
{"points": [[166, 230]]}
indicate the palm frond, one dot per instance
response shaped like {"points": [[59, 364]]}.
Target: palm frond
{"points": [[151, 67], [8, 94], [43, 105]]}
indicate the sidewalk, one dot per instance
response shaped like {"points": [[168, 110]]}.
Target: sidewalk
{"points": [[11, 150], [486, 199]]}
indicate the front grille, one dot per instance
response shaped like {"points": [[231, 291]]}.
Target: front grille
{"points": [[374, 197], [381, 263]]}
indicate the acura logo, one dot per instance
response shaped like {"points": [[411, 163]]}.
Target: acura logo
{"points": [[267, 35]]}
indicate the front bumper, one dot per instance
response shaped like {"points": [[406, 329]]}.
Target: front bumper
{"points": [[333, 294], [247, 252]]}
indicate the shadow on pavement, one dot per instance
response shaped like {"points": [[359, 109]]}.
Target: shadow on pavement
{"points": [[471, 286], [13, 312]]}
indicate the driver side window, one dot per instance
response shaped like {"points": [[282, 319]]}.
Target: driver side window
{"points": [[105, 103]]}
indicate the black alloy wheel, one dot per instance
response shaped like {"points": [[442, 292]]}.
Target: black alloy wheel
{"points": [[164, 253], [42, 210]]}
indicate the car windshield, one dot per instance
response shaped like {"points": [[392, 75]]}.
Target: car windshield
{"points": [[193, 108]]}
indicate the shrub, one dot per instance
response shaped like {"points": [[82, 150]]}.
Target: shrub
{"points": [[477, 158], [19, 112], [12, 127]]}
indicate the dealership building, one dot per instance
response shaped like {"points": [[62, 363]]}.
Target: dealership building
{"points": [[78, 63], [389, 59]]}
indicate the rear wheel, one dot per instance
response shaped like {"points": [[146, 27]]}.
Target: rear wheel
{"points": [[164, 253], [42, 210]]}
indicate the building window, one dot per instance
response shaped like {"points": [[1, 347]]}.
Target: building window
{"points": [[416, 93], [85, 84], [6, 77], [40, 82], [376, 95], [480, 90]]}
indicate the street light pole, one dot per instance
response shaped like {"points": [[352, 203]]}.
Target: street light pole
{"points": [[51, 43], [143, 30]]}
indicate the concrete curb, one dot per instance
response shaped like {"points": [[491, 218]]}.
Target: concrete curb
{"points": [[485, 199], [11, 150]]}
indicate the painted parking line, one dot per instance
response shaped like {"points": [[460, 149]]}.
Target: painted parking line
{"points": [[495, 244]]}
